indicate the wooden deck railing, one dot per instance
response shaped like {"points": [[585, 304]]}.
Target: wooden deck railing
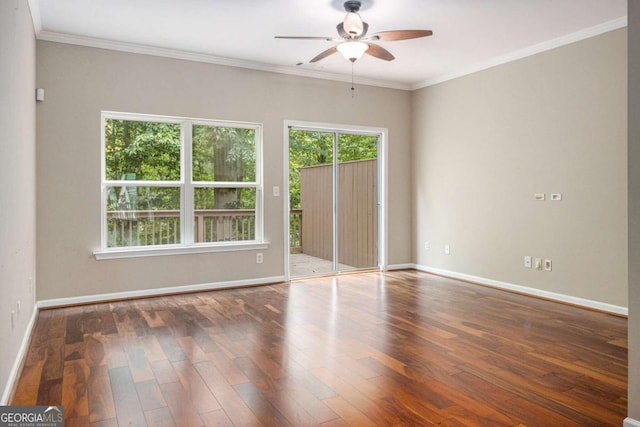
{"points": [[143, 228], [162, 227], [225, 225], [295, 231]]}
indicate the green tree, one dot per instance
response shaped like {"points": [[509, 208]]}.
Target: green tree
{"points": [[150, 151], [142, 150], [356, 147], [224, 154]]}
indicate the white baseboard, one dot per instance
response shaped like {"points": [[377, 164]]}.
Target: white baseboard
{"points": [[22, 353], [89, 299], [630, 422], [401, 267], [582, 302]]}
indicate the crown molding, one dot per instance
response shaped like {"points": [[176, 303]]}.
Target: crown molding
{"points": [[301, 72], [529, 51], [209, 59], [34, 7]]}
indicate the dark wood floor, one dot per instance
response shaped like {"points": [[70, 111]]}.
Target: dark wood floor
{"points": [[402, 348]]}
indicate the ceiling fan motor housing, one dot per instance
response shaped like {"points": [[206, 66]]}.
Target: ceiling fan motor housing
{"points": [[352, 5]]}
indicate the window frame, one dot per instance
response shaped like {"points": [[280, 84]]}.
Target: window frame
{"points": [[186, 186]]}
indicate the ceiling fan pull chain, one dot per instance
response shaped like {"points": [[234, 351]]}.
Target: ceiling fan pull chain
{"points": [[352, 88]]}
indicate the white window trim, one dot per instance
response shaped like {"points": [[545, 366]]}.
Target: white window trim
{"points": [[188, 245], [147, 251]]}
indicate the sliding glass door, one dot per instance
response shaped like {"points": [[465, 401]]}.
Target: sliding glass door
{"points": [[333, 194]]}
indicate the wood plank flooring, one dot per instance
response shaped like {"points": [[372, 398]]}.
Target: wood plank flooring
{"points": [[396, 349]]}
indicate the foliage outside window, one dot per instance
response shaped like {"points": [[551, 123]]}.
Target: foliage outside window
{"points": [[172, 181]]}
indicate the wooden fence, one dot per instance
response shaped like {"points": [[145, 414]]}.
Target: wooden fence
{"points": [[357, 213]]}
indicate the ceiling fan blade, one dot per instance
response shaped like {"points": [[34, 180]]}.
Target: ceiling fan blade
{"points": [[304, 38], [389, 36], [324, 54], [379, 52]]}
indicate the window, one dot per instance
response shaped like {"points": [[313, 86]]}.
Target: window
{"points": [[174, 185]]}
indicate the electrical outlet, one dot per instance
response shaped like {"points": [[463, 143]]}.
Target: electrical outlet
{"points": [[276, 191], [427, 246], [447, 250], [527, 261], [547, 265], [259, 258]]}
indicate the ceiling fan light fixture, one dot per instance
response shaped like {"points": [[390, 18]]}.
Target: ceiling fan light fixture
{"points": [[353, 39], [352, 50], [353, 24]]}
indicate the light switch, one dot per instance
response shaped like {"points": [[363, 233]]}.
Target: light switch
{"points": [[537, 263]]}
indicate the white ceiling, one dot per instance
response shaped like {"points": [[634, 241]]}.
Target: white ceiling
{"points": [[468, 34]]}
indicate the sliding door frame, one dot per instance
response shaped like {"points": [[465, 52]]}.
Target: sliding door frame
{"points": [[383, 137]]}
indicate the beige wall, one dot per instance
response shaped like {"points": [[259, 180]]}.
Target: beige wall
{"points": [[483, 145], [81, 81], [17, 175], [634, 210]]}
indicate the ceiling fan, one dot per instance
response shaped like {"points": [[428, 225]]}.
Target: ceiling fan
{"points": [[354, 41]]}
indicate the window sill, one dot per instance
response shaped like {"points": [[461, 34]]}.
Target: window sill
{"points": [[137, 252]]}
